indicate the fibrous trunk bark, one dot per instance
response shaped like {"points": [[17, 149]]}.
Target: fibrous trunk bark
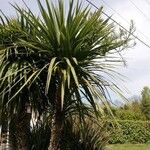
{"points": [[20, 130], [3, 140], [23, 130], [56, 124]]}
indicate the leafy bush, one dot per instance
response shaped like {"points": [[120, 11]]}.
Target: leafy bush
{"points": [[129, 111], [88, 135], [40, 136], [129, 114], [129, 132]]}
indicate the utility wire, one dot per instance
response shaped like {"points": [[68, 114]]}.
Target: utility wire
{"points": [[139, 10], [123, 18], [148, 2], [120, 25]]}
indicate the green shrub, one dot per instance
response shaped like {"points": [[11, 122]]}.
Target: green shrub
{"points": [[129, 132], [90, 135], [129, 114]]}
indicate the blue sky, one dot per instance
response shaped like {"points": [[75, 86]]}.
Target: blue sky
{"points": [[138, 58]]}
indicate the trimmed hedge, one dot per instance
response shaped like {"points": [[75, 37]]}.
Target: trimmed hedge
{"points": [[129, 132]]}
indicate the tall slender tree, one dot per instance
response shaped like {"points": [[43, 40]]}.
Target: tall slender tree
{"points": [[145, 103], [59, 60]]}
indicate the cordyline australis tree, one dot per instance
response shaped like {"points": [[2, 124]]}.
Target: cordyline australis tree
{"points": [[15, 69], [51, 61]]}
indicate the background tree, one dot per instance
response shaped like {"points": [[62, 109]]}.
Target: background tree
{"points": [[145, 103]]}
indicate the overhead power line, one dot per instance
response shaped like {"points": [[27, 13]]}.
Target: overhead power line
{"points": [[139, 10], [120, 25], [123, 18], [148, 2]]}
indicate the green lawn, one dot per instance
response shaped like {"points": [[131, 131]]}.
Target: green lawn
{"points": [[129, 147]]}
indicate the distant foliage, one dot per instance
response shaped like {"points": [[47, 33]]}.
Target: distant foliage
{"points": [[130, 111], [133, 121], [129, 114], [130, 132], [145, 103]]}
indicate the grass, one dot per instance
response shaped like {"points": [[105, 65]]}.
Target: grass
{"points": [[129, 147]]}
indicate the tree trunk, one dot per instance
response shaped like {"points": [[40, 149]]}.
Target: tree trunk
{"points": [[23, 131], [56, 124], [19, 130], [4, 133], [23, 118], [3, 144]]}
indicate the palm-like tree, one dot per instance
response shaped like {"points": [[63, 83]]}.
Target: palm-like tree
{"points": [[13, 75], [59, 60]]}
